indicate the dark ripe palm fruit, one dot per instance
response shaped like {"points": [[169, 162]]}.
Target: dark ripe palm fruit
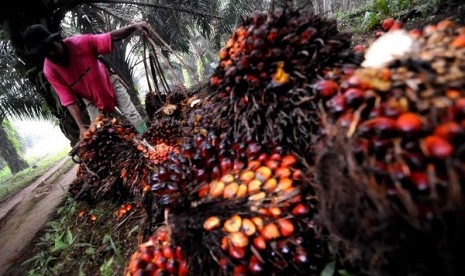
{"points": [[398, 165], [269, 74]]}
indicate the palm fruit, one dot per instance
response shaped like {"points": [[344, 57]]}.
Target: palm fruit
{"points": [[263, 85], [238, 207], [103, 152], [157, 256], [390, 167]]}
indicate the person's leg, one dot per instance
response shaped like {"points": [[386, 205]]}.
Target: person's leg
{"points": [[92, 110], [125, 105]]}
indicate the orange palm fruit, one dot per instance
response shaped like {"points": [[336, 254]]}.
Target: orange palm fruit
{"points": [[238, 239], [270, 231], [259, 243], [233, 224], [230, 190], [216, 189], [227, 178], [247, 176], [286, 227], [270, 185], [257, 196], [254, 186], [248, 227], [283, 172], [263, 173], [242, 190], [284, 184], [258, 221], [211, 223]]}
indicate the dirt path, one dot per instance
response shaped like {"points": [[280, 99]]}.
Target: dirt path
{"points": [[25, 213]]}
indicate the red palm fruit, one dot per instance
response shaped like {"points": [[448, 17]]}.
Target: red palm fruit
{"points": [[183, 270], [224, 245], [300, 255], [286, 227], [459, 41], [263, 173], [253, 165], [283, 172], [178, 254], [238, 239], [263, 158], [233, 224], [397, 25], [272, 164], [211, 223], [272, 35], [387, 23], [300, 210], [203, 191], [239, 270], [326, 88], [338, 104], [226, 165], [223, 54], [247, 176], [409, 123], [215, 81], [448, 130], [255, 266], [168, 252], [438, 147], [270, 185], [380, 126], [237, 253], [270, 231], [354, 96], [359, 48], [288, 161], [238, 165], [346, 119], [259, 243], [172, 266], [459, 106], [248, 227], [419, 180], [159, 261], [296, 174], [146, 255]]}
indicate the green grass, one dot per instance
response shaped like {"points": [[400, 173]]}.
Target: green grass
{"points": [[10, 183]]}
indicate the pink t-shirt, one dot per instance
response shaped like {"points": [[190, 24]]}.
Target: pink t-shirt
{"points": [[85, 75]]}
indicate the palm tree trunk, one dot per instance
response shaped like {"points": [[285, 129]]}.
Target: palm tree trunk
{"points": [[9, 153]]}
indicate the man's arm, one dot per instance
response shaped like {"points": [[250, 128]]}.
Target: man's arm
{"points": [[76, 114], [124, 32]]}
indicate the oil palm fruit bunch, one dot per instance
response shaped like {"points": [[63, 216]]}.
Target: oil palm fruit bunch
{"points": [[164, 129], [103, 152], [237, 207], [391, 164], [263, 84]]}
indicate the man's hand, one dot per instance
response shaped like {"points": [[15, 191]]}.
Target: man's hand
{"points": [[143, 27], [124, 32]]}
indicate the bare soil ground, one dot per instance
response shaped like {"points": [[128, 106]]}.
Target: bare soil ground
{"points": [[23, 214]]}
